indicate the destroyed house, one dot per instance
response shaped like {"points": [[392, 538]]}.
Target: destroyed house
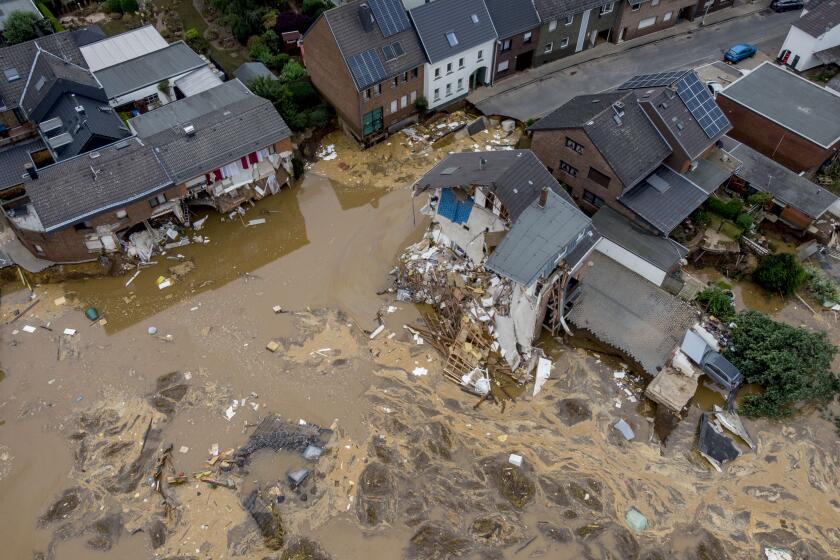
{"points": [[637, 150], [365, 58], [224, 145]]}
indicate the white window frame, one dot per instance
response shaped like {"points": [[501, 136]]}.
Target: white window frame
{"points": [[448, 89], [448, 68], [437, 73], [548, 48], [564, 43], [436, 94], [480, 56], [607, 8], [649, 22], [413, 96], [569, 20], [394, 106], [654, 2], [460, 84], [552, 25], [667, 16], [503, 66], [527, 37], [461, 63], [403, 102]]}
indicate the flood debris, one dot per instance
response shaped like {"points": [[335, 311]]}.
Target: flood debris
{"points": [[624, 429], [266, 515], [714, 445]]}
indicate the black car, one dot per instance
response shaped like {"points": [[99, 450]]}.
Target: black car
{"points": [[787, 5]]}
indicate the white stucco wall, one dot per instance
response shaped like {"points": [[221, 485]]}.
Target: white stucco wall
{"points": [[803, 45], [471, 64], [627, 259], [470, 239]]}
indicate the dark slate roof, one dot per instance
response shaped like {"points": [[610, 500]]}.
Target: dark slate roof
{"points": [[352, 40], [229, 122], [820, 19], [790, 101], [511, 17], [67, 192], [555, 9], [250, 70], [435, 19], [88, 35], [627, 312], [47, 73], [13, 159], [149, 69], [97, 126], [665, 198], [21, 56], [633, 148], [710, 174], [536, 239], [764, 174], [661, 252], [516, 177]]}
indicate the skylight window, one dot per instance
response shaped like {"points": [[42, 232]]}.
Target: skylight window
{"points": [[453, 40], [11, 74], [474, 18], [449, 170]]}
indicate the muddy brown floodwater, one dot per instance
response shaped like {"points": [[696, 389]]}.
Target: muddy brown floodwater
{"points": [[410, 469]]}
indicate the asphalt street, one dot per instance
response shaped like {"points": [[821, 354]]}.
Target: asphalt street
{"points": [[766, 30]]}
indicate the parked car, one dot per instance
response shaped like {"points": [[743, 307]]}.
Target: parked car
{"points": [[720, 370], [739, 52], [786, 5]]}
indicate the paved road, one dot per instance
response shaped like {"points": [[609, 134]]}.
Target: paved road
{"points": [[766, 30]]}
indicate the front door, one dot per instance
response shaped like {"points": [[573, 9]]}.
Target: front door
{"points": [[478, 78], [372, 122], [524, 61]]}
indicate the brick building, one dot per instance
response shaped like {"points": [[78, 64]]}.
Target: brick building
{"points": [[787, 118], [518, 26], [367, 61], [640, 17], [570, 26]]}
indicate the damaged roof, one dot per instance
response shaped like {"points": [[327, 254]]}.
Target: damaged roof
{"points": [[79, 188], [819, 20], [228, 122], [661, 252], [13, 160], [629, 313], [449, 27], [536, 239], [516, 177], [764, 174], [620, 130]]}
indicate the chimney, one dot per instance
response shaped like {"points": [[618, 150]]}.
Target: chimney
{"points": [[482, 163], [543, 197], [30, 169], [366, 18]]}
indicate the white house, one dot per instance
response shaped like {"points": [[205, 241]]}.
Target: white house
{"points": [[459, 39], [813, 39]]}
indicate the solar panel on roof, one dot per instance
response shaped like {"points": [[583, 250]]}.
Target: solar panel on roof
{"points": [[390, 16], [652, 80], [701, 104], [366, 68]]}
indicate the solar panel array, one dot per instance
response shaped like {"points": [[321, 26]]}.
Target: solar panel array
{"points": [[390, 15], [702, 105], [652, 80], [367, 69], [393, 51]]}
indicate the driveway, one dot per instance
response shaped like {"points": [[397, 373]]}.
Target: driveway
{"points": [[766, 30]]}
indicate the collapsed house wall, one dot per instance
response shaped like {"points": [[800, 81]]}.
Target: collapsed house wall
{"points": [[469, 237]]}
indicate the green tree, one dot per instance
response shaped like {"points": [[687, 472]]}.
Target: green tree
{"points": [[113, 6], [716, 302], [314, 8], [780, 273], [421, 104], [129, 6], [21, 26], [792, 365], [293, 71], [196, 41]]}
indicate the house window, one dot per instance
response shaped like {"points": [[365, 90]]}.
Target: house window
{"points": [[414, 74], [39, 249], [449, 68], [647, 22], [403, 102], [461, 63], [395, 83], [414, 96], [607, 8], [667, 16], [437, 73], [569, 20], [564, 43], [635, 7], [568, 168], [372, 121], [597, 177], [378, 89], [505, 45], [367, 93], [405, 77], [572, 145], [394, 106], [552, 25], [480, 56], [152, 101], [549, 47], [157, 201], [448, 90], [592, 199], [654, 2], [452, 39], [527, 38], [121, 214], [460, 84], [503, 66], [437, 94]]}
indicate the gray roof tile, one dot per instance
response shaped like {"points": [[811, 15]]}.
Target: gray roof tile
{"points": [[250, 70], [537, 238], [820, 19], [793, 102], [149, 69], [555, 9], [14, 158], [435, 19], [664, 210], [627, 312], [48, 69], [661, 252], [511, 17], [229, 122]]}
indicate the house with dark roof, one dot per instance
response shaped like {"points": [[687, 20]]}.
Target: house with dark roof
{"points": [[459, 41], [571, 26], [517, 24], [641, 150], [640, 17], [365, 58], [224, 146], [785, 117], [815, 34]]}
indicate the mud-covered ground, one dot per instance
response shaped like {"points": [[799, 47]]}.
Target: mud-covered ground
{"points": [[409, 470]]}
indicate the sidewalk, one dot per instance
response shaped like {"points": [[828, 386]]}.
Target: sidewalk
{"points": [[608, 49]]}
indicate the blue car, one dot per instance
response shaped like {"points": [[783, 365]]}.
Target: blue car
{"points": [[737, 53]]}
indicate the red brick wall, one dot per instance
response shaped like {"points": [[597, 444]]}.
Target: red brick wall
{"points": [[392, 93], [629, 20], [518, 47], [773, 140]]}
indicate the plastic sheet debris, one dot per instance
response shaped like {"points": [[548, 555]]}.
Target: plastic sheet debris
{"points": [[198, 224], [619, 374], [732, 422], [69, 332], [172, 234], [230, 411], [312, 453], [515, 460], [29, 328], [298, 476], [256, 221], [60, 300], [636, 520], [772, 553], [152, 330], [625, 429], [377, 331], [163, 283], [327, 153], [543, 373], [214, 450], [419, 371], [184, 449], [272, 346]]}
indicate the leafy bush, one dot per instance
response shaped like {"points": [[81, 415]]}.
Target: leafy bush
{"points": [[701, 217], [20, 27], [421, 104], [716, 302], [196, 41], [791, 364], [729, 209], [821, 286], [780, 273], [744, 221], [297, 102], [113, 6], [129, 6], [293, 71], [56, 25], [313, 8], [758, 198]]}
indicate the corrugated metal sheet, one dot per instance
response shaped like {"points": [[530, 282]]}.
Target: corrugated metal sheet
{"points": [[122, 47], [198, 81]]}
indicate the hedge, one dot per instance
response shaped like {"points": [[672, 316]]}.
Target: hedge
{"points": [[56, 25]]}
